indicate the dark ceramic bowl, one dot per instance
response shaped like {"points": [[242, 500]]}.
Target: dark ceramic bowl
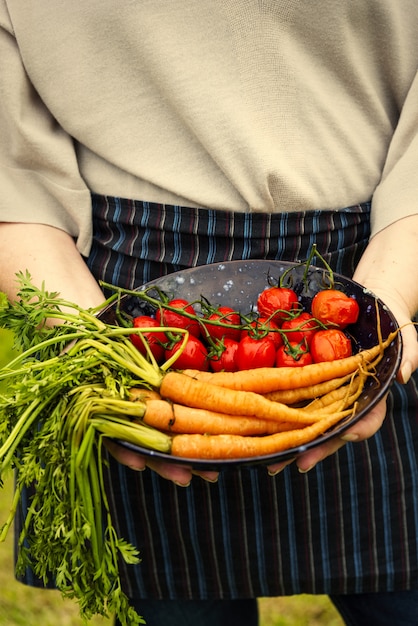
{"points": [[237, 284]]}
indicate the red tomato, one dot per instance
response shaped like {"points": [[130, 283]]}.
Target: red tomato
{"points": [[329, 345], [264, 327], [255, 353], [293, 355], [166, 317], [226, 360], [194, 355], [275, 302], [154, 341], [300, 328], [227, 318], [332, 306]]}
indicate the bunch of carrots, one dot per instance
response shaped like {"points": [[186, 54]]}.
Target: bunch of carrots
{"points": [[256, 412]]}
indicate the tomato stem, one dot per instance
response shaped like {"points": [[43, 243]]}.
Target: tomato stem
{"points": [[312, 254]]}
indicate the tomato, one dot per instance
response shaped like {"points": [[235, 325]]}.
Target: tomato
{"points": [[255, 353], [300, 328], [225, 360], [332, 306], [275, 302], [154, 341], [227, 317], [293, 354], [194, 355], [263, 327], [330, 344], [166, 317]]}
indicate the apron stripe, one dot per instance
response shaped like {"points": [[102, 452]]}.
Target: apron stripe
{"points": [[342, 528]]}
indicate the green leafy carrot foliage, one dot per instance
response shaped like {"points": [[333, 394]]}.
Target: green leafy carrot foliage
{"points": [[65, 392]]}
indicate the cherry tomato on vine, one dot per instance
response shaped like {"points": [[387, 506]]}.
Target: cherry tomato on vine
{"points": [[263, 327], [227, 319], [329, 345], [332, 306], [275, 302], [300, 328], [166, 317], [226, 358], [194, 355], [255, 353], [293, 354], [154, 341]]}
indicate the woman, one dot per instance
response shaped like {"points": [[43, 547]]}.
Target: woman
{"points": [[164, 135]]}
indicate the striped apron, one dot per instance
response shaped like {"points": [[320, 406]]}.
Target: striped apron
{"points": [[350, 525]]}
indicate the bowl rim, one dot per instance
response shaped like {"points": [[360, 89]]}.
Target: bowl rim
{"points": [[221, 464]]}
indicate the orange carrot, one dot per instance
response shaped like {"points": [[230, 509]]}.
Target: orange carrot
{"points": [[176, 418], [294, 396], [237, 446], [182, 389], [141, 394], [158, 414], [341, 398], [266, 379]]}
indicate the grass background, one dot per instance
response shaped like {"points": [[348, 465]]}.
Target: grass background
{"points": [[25, 606]]}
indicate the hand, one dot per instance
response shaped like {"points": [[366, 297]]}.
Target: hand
{"points": [[363, 429], [371, 423], [181, 475]]}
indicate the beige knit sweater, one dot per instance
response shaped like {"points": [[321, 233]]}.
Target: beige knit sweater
{"points": [[243, 105]]}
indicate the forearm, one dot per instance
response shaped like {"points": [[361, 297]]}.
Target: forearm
{"points": [[50, 255], [389, 268]]}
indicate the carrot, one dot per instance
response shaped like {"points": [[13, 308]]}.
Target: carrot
{"points": [[177, 418], [183, 389], [294, 396], [238, 446], [158, 414], [341, 394], [266, 379], [141, 394]]}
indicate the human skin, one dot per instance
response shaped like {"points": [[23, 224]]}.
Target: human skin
{"points": [[389, 268]]}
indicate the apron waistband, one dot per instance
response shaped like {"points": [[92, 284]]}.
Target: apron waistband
{"points": [[135, 241]]}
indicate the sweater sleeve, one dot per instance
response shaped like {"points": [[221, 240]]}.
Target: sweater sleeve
{"points": [[396, 195], [39, 176]]}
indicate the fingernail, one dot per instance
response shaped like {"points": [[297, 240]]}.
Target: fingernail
{"points": [[135, 468], [277, 470], [181, 484], [305, 471], [209, 477], [349, 437]]}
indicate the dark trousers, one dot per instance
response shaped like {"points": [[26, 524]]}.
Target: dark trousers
{"points": [[367, 609]]}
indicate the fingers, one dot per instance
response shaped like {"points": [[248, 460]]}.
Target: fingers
{"points": [[409, 353], [368, 425], [276, 468], [308, 460], [125, 456], [363, 429], [209, 476], [181, 475]]}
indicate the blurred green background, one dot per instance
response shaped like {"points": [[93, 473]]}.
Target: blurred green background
{"points": [[25, 606]]}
